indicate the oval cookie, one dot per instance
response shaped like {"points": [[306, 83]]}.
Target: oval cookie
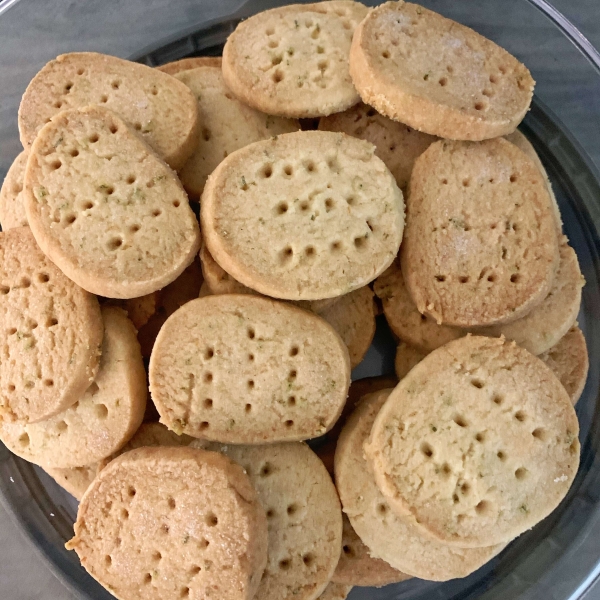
{"points": [[570, 362], [436, 75], [246, 370], [105, 208], [303, 514], [396, 144], [162, 111], [292, 61], [401, 314], [75, 480], [392, 538], [407, 357], [308, 215], [103, 419], [172, 523], [12, 209], [51, 333], [472, 267], [490, 429], [227, 125], [358, 567], [193, 62], [548, 322]]}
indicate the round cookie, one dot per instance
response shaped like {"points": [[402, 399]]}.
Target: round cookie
{"points": [[103, 419], [336, 591], [419, 331], [172, 523], [358, 567], [407, 357], [104, 208], [245, 370], [75, 480], [480, 246], [162, 111], [436, 75], [353, 317], [570, 362], [193, 62], [303, 515], [548, 322], [488, 427], [392, 538], [305, 216], [396, 144], [12, 210], [292, 61], [51, 332], [227, 125]]}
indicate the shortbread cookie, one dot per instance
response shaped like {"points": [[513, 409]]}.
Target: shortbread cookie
{"points": [[480, 246], [487, 424], [105, 208], [548, 322], [162, 111], [103, 419], [336, 591], [396, 144], [193, 62], [570, 362], [227, 125], [172, 523], [244, 369], [358, 567], [440, 77], [75, 480], [353, 317], [51, 333], [407, 357], [305, 216], [12, 209], [519, 140], [325, 445], [417, 330], [303, 514], [140, 310], [293, 61]]}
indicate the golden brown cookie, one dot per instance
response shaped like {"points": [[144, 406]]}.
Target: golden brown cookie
{"points": [[407, 357], [75, 480], [336, 591], [193, 62], [12, 209]]}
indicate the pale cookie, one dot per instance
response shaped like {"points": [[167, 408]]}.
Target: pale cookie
{"points": [[105, 208], [303, 514], [491, 430], [480, 246], [161, 110], [548, 322], [103, 419], [417, 330], [570, 362], [353, 317], [392, 538], [75, 480], [12, 209], [193, 62], [166, 523], [336, 591], [227, 125], [396, 144], [141, 309], [292, 61], [244, 369], [306, 216], [407, 357], [358, 567], [519, 140], [436, 75], [218, 281], [51, 333]]}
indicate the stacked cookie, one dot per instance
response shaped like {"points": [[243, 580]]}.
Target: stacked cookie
{"points": [[245, 326]]}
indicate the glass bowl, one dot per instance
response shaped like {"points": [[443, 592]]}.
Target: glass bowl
{"points": [[560, 558]]}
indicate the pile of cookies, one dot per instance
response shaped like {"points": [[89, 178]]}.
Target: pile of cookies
{"points": [[342, 160]]}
